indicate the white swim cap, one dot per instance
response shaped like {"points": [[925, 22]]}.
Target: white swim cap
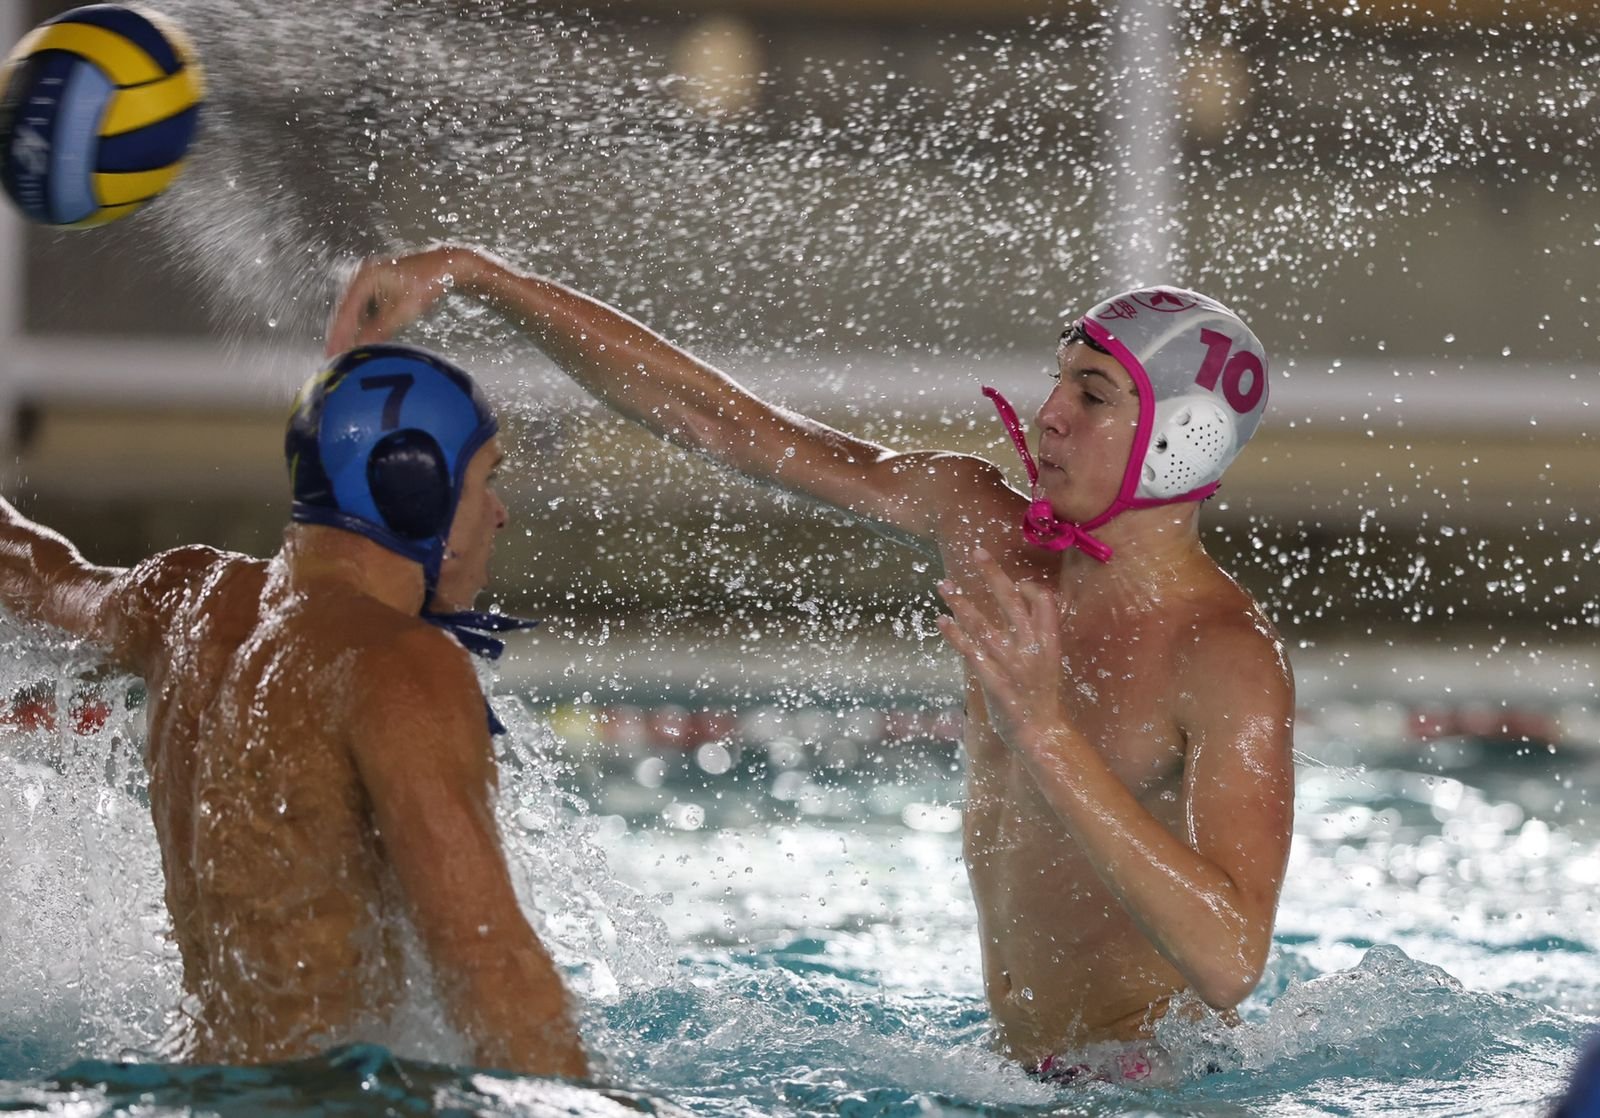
{"points": [[1202, 381]]}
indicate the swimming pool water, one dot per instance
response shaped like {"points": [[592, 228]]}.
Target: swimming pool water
{"points": [[794, 936]]}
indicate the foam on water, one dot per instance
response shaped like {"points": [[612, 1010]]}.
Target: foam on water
{"points": [[803, 967]]}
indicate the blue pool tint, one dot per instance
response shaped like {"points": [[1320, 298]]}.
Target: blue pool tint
{"points": [[792, 934]]}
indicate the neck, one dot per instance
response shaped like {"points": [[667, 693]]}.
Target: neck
{"points": [[315, 555], [1153, 550]]}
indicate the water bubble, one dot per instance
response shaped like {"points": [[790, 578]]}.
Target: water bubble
{"points": [[651, 772], [713, 758]]}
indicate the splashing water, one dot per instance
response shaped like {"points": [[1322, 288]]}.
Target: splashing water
{"points": [[949, 185], [964, 193], [793, 940], [740, 940], [86, 959]]}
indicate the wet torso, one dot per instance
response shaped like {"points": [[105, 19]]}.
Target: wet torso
{"points": [[272, 867], [1064, 963]]}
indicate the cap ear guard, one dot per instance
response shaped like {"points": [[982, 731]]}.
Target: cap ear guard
{"points": [[1192, 440], [378, 444], [410, 484]]}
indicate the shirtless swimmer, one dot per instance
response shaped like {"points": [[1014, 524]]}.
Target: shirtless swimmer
{"points": [[319, 756], [1129, 707]]}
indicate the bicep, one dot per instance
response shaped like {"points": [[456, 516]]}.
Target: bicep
{"points": [[44, 578], [908, 492], [911, 492], [1239, 783], [426, 765], [116, 610], [93, 603]]}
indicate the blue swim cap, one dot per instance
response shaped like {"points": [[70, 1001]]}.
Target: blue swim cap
{"points": [[378, 444]]}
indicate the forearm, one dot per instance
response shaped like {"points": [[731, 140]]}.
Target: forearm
{"points": [[1190, 909], [614, 357], [641, 375], [508, 998]]}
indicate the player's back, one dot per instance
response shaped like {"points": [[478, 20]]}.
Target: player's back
{"points": [[272, 866]]}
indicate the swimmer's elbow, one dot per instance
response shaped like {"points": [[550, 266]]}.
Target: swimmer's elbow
{"points": [[1224, 986], [1225, 995], [705, 432]]}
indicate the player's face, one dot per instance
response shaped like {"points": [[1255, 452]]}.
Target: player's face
{"points": [[1086, 429], [479, 518]]}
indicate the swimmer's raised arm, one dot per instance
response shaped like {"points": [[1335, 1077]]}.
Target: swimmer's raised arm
{"points": [[44, 580], [424, 756], [669, 391]]}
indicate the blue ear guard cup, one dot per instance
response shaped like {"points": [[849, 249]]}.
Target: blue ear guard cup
{"points": [[410, 484], [378, 444]]}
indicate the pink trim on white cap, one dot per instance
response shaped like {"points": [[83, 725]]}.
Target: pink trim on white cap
{"points": [[1126, 496]]}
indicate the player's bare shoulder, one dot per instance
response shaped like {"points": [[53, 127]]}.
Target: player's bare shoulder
{"points": [[405, 664], [164, 581], [190, 590], [979, 507], [974, 483], [1231, 656]]}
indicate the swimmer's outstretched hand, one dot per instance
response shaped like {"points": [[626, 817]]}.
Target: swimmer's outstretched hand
{"points": [[1014, 648], [387, 294]]}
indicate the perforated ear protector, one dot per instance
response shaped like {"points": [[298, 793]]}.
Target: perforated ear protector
{"points": [[1201, 379], [1191, 440]]}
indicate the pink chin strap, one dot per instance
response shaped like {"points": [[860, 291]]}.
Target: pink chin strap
{"points": [[1043, 528], [1040, 525]]}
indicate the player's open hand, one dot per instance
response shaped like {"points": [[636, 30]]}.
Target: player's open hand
{"points": [[387, 294], [1012, 643]]}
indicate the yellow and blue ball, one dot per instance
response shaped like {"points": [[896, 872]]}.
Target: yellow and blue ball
{"points": [[97, 108]]}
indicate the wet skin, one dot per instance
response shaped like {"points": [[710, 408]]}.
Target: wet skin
{"points": [[281, 905], [1065, 961], [1129, 651], [1129, 724], [320, 767]]}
